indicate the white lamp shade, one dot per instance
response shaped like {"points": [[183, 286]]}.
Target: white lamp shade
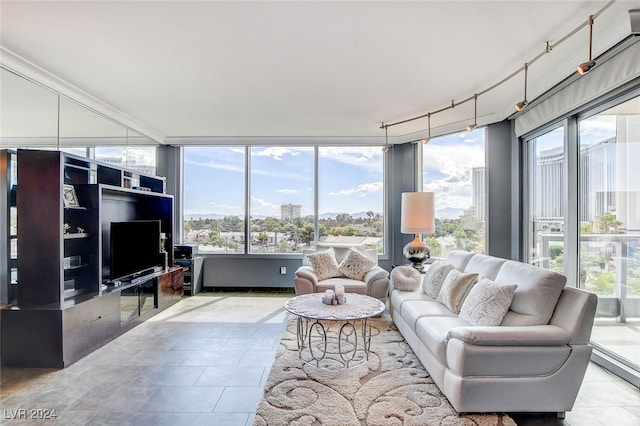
{"points": [[418, 215]]}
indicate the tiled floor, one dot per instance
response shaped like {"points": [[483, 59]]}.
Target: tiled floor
{"points": [[204, 361]]}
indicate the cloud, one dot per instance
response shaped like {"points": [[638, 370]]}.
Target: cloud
{"points": [[367, 157], [287, 191], [264, 208], [277, 152], [361, 190], [448, 169], [598, 128], [216, 165]]}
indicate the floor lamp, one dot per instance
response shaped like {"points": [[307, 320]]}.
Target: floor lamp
{"points": [[417, 218]]}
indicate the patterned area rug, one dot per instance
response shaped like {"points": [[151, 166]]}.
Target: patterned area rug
{"points": [[391, 388]]}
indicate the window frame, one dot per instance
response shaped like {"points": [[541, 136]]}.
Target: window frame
{"points": [[316, 179]]}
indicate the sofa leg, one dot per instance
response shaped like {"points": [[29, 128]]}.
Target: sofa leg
{"points": [[560, 414]]}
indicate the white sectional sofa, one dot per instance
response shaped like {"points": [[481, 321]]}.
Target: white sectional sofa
{"points": [[534, 361]]}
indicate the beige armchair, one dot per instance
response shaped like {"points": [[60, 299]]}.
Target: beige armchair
{"points": [[375, 282]]}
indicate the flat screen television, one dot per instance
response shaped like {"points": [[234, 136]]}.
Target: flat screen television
{"points": [[135, 248]]}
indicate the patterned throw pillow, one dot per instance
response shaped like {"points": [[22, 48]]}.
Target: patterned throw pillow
{"points": [[455, 289], [487, 302], [324, 264], [355, 265], [434, 277]]}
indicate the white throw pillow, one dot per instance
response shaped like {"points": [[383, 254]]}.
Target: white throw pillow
{"points": [[324, 264], [487, 302], [455, 289], [355, 265], [434, 277], [405, 278]]}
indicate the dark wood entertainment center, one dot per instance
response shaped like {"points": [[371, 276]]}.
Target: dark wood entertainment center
{"points": [[67, 304]]}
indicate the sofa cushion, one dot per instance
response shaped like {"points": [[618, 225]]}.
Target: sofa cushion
{"points": [[455, 288], [324, 264], [459, 259], [399, 297], [350, 286], [413, 310], [484, 265], [434, 277], [405, 278], [433, 331], [487, 302], [536, 296], [355, 265]]}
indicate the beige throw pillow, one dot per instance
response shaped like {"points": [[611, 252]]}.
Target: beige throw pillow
{"points": [[455, 288], [405, 278], [324, 264], [434, 277], [487, 302], [355, 265]]}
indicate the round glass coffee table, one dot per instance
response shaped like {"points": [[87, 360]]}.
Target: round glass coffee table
{"points": [[344, 347]]}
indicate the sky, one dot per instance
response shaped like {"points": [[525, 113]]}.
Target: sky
{"points": [[447, 165], [351, 180]]}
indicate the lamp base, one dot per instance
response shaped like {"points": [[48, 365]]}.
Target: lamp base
{"points": [[417, 252]]}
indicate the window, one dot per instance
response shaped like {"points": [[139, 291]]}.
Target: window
{"points": [[139, 158], [279, 185], [453, 168], [546, 200], [590, 228], [609, 213], [214, 194], [282, 198], [351, 195]]}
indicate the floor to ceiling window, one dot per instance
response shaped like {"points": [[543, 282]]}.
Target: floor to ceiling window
{"points": [[214, 198], [546, 158], [282, 198], [454, 169], [288, 210], [584, 216], [351, 195], [609, 214]]}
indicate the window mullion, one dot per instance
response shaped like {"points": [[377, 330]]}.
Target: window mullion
{"points": [[572, 215]]}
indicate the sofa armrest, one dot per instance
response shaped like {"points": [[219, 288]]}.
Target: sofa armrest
{"points": [[374, 274], [308, 273], [529, 335]]}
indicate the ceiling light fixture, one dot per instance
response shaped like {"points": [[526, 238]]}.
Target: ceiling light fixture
{"points": [[584, 67], [385, 148], [473, 125], [428, 138], [520, 105]]}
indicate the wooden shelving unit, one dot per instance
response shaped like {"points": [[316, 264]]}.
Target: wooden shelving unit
{"points": [[66, 304]]}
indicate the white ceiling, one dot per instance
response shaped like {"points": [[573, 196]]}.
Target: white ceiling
{"points": [[306, 69]]}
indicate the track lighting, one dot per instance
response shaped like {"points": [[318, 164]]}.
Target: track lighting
{"points": [[584, 67], [520, 105], [473, 125], [428, 138], [385, 148]]}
